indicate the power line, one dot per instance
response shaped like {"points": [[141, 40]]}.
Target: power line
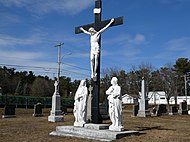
{"points": [[47, 69], [75, 66], [16, 39], [36, 67]]}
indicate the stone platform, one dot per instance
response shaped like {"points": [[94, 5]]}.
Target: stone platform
{"points": [[91, 131]]}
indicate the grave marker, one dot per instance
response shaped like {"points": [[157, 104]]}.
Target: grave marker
{"points": [[9, 111], [37, 110]]}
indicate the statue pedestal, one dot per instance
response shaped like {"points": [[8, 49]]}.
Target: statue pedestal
{"points": [[56, 113], [91, 131]]}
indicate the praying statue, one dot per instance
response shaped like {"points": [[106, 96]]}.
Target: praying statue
{"points": [[80, 104], [115, 105], [95, 47]]}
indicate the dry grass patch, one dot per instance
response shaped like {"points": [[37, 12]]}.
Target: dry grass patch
{"points": [[26, 128]]}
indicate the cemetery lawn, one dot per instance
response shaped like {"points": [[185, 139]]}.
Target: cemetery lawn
{"points": [[26, 128]]}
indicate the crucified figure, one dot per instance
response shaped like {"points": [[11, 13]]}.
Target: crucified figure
{"points": [[95, 47]]}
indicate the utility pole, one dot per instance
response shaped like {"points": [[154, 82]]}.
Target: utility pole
{"points": [[59, 62]]}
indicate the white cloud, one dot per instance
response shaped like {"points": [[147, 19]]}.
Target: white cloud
{"points": [[46, 6], [129, 45], [180, 44], [174, 49], [139, 38], [13, 55], [11, 41]]}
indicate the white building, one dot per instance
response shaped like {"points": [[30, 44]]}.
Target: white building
{"points": [[157, 97], [126, 99]]}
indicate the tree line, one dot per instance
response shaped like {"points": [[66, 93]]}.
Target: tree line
{"points": [[174, 79], [23, 83], [170, 79]]}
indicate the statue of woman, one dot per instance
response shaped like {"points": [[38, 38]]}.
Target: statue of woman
{"points": [[115, 105], [80, 104]]}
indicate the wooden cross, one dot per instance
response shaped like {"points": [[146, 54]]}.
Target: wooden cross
{"points": [[98, 24]]}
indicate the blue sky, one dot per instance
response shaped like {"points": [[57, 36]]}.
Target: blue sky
{"points": [[154, 31]]}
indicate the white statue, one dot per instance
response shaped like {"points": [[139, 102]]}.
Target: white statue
{"points": [[56, 87], [115, 105], [95, 47], [80, 104]]}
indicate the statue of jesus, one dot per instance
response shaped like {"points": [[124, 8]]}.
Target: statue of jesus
{"points": [[95, 47]]}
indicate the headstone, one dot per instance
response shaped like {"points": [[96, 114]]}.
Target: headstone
{"points": [[183, 108], [173, 110], [154, 110], [143, 105], [135, 109], [56, 113], [162, 109], [9, 111], [64, 109], [37, 110], [0, 91]]}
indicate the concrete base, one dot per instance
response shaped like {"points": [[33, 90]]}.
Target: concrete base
{"points": [[37, 115], [8, 116], [183, 112], [143, 113], [90, 131], [96, 126], [57, 118]]}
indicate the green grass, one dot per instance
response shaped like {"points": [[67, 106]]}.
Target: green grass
{"points": [[26, 128]]}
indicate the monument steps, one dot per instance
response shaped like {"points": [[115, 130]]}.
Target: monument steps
{"points": [[97, 134]]}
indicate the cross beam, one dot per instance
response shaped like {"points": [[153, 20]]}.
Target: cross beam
{"points": [[98, 24], [117, 21]]}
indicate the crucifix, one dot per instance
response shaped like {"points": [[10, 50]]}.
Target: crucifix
{"points": [[96, 28]]}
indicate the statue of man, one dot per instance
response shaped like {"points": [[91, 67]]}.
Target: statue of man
{"points": [[80, 104], [115, 105], [95, 47]]}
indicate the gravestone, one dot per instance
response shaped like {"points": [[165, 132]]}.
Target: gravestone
{"points": [[56, 113], [154, 111], [162, 109], [64, 109], [135, 109], [183, 108], [0, 91], [37, 110], [173, 110], [9, 111], [143, 104]]}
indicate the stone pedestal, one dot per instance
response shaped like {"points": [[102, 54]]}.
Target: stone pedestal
{"points": [[91, 131], [56, 113]]}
